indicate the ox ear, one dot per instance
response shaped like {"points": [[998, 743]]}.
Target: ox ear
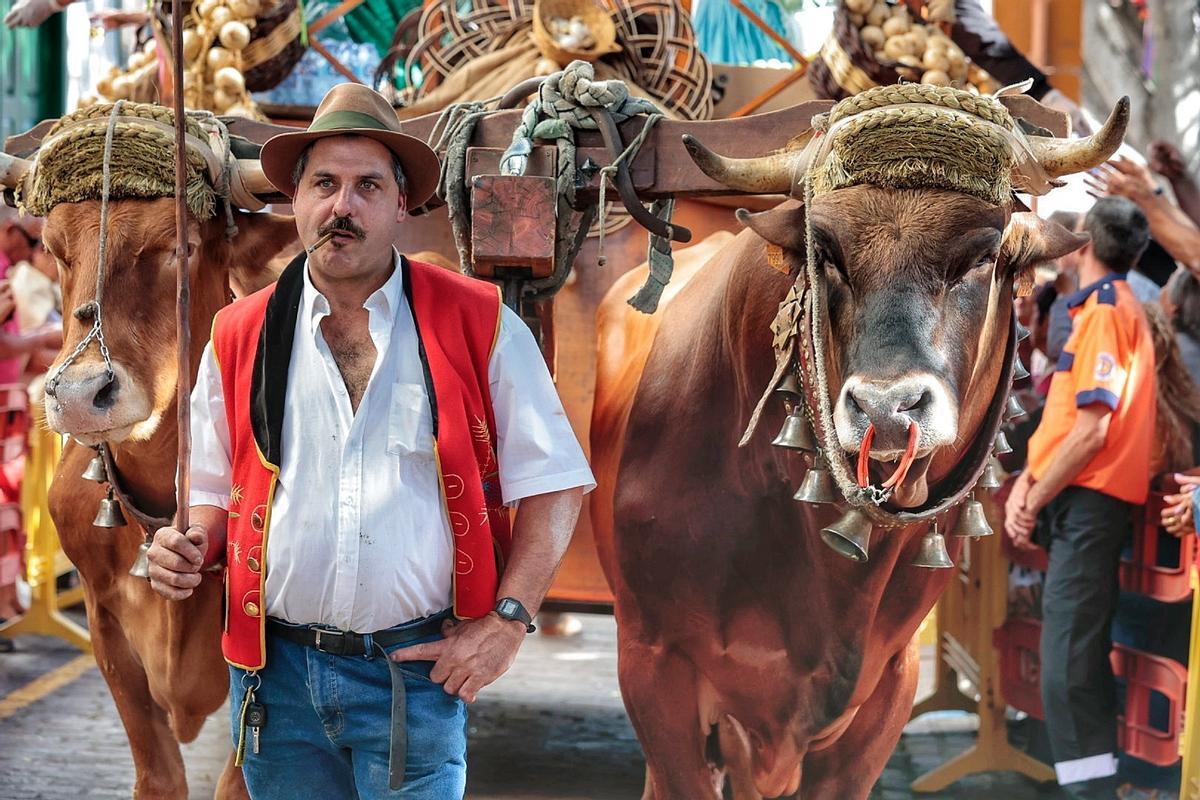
{"points": [[264, 245], [783, 225], [1030, 240]]}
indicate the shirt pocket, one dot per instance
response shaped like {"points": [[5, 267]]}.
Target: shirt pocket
{"points": [[410, 422]]}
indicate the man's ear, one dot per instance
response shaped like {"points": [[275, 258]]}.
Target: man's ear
{"points": [[783, 225], [1030, 240]]}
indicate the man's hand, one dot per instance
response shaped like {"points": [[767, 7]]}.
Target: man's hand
{"points": [[1019, 518], [1166, 160], [474, 653], [176, 560], [1122, 178], [31, 13]]}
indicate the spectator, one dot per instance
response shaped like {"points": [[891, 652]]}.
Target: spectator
{"points": [[1059, 321], [1178, 409], [1166, 160], [20, 240], [1181, 302], [1173, 229], [1089, 465]]}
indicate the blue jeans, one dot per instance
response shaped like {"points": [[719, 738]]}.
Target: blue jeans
{"points": [[329, 725]]}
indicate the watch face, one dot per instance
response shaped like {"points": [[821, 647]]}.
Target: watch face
{"points": [[507, 607]]}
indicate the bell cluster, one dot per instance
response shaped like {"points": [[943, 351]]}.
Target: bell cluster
{"points": [[109, 515], [850, 535]]}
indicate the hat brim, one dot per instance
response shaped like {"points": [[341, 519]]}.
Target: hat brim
{"points": [[420, 164]]}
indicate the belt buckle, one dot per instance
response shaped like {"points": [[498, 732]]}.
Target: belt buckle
{"points": [[336, 646]]}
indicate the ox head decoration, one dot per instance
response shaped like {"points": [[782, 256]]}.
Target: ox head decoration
{"points": [[114, 379], [906, 250]]}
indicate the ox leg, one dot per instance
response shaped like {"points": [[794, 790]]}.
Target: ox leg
{"points": [[157, 760], [848, 768], [660, 692], [232, 784]]}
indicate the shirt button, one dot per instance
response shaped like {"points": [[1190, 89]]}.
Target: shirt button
{"points": [[251, 608]]}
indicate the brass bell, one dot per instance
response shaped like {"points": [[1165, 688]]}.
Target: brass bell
{"points": [[1022, 332], [109, 515], [990, 479], [796, 433], [850, 535], [817, 487], [1014, 409], [972, 522], [932, 553], [141, 564], [1019, 371], [1002, 447], [789, 387], [95, 470]]}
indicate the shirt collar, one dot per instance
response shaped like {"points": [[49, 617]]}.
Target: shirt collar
{"points": [[1076, 299], [384, 301]]}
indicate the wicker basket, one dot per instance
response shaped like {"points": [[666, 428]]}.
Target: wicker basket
{"points": [[598, 21], [844, 66], [274, 46]]}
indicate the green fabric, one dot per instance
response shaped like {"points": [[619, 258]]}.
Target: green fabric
{"points": [[342, 120]]}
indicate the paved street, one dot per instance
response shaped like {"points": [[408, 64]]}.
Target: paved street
{"points": [[554, 727]]}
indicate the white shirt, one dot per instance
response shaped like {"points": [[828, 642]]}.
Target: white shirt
{"points": [[359, 538]]}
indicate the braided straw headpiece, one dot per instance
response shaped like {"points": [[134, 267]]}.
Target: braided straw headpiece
{"points": [[914, 136], [69, 162]]}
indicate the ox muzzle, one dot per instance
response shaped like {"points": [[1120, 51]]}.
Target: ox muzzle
{"points": [[91, 405]]}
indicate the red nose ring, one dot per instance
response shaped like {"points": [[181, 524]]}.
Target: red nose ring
{"points": [[906, 461]]}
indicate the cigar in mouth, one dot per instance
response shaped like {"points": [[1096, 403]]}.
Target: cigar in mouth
{"points": [[320, 242]]}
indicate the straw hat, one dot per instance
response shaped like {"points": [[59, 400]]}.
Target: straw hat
{"points": [[351, 108]]}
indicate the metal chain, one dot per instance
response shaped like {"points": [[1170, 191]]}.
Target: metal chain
{"points": [[93, 307]]}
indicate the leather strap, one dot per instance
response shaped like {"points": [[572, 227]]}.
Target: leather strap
{"points": [[348, 643], [398, 741]]}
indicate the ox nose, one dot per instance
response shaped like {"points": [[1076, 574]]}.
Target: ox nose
{"points": [[889, 407], [96, 389]]}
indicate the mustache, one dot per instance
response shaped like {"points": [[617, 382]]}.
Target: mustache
{"points": [[342, 224]]}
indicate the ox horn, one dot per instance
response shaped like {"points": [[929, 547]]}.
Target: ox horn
{"points": [[763, 175], [13, 170], [1060, 157]]}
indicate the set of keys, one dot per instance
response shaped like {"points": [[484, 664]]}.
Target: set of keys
{"points": [[253, 720]]}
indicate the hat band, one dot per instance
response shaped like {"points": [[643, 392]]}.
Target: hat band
{"points": [[335, 120]]}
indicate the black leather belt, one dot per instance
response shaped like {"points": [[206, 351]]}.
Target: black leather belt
{"points": [[348, 643]]}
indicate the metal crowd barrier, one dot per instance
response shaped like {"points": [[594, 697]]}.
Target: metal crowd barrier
{"points": [[45, 562]]}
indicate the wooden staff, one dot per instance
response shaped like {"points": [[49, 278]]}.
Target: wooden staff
{"points": [[183, 390]]}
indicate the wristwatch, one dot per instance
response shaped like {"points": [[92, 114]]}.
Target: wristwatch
{"points": [[510, 608]]}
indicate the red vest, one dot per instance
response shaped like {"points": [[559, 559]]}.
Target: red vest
{"points": [[457, 320]]}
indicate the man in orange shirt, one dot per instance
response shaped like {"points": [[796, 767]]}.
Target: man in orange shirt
{"points": [[1089, 464]]}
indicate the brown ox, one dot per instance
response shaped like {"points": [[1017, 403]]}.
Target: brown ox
{"points": [[162, 659], [748, 647]]}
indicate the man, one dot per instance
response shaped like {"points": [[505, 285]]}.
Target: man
{"points": [[372, 417], [1089, 463]]}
